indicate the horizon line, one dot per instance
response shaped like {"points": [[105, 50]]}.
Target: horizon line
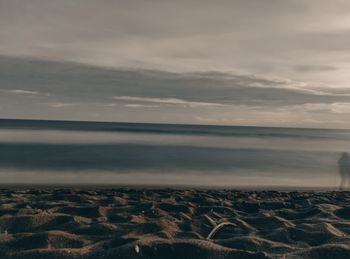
{"points": [[162, 123]]}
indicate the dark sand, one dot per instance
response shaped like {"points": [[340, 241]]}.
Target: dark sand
{"points": [[130, 223]]}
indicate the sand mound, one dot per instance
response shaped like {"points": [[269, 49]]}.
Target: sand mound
{"points": [[127, 223], [31, 223], [157, 248], [256, 244], [325, 251], [45, 240]]}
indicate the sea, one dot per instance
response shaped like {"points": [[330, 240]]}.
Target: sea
{"points": [[38, 152]]}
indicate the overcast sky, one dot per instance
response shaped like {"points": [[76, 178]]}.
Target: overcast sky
{"points": [[256, 62]]}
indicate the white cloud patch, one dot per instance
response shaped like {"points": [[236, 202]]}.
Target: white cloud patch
{"points": [[284, 83], [134, 105], [60, 104], [19, 91], [340, 108], [167, 101], [220, 121]]}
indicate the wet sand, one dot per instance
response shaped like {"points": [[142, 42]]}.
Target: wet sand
{"points": [[165, 223]]}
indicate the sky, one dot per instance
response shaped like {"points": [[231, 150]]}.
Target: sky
{"points": [[258, 62]]}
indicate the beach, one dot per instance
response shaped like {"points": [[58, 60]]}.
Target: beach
{"points": [[169, 223], [174, 129], [128, 190]]}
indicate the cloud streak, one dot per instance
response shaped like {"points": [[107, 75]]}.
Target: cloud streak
{"points": [[134, 105], [60, 104], [19, 91], [80, 92], [341, 108], [169, 101]]}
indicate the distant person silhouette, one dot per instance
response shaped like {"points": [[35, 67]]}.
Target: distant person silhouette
{"points": [[344, 170]]}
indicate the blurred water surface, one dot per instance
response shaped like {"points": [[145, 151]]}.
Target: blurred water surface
{"points": [[63, 152]]}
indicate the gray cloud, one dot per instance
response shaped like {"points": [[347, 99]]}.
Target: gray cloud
{"points": [[266, 37], [308, 68], [81, 92]]}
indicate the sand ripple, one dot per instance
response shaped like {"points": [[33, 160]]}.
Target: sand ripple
{"points": [[128, 223]]}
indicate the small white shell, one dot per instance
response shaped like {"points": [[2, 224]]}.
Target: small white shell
{"points": [[137, 249]]}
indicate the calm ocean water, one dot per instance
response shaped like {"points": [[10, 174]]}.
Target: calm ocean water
{"points": [[62, 152]]}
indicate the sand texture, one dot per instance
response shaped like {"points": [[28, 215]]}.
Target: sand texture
{"points": [[128, 223]]}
